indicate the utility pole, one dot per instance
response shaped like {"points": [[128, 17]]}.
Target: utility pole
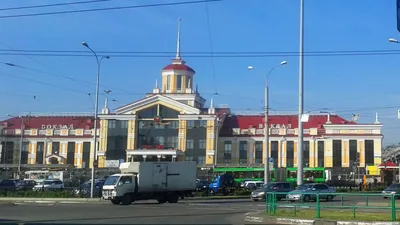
{"points": [[266, 136], [300, 156]]}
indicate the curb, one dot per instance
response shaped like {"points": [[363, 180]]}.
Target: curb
{"points": [[99, 200], [258, 218]]}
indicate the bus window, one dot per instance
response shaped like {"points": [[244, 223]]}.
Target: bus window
{"points": [[292, 174]]}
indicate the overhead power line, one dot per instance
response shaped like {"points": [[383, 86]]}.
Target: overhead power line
{"points": [[108, 9], [203, 56], [52, 5], [205, 53]]}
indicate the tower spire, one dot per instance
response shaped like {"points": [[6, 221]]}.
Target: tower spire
{"points": [[178, 41]]}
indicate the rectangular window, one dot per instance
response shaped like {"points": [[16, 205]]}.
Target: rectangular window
{"points": [[179, 82], [306, 150], [71, 153], [39, 152], [203, 123], [259, 151], [189, 143], [189, 158], [25, 152], [243, 152], [55, 148], [321, 153], [337, 153], [202, 144], [201, 160], [190, 123], [290, 154], [168, 83], [369, 152], [86, 155], [274, 152], [227, 151], [353, 152]]}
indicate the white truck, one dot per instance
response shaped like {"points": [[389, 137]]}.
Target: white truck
{"points": [[163, 181]]}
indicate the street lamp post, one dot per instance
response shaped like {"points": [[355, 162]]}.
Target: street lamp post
{"points": [[96, 112], [314, 151], [20, 143], [266, 126], [300, 156], [283, 139]]}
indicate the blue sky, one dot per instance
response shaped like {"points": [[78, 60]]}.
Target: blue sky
{"points": [[341, 84]]}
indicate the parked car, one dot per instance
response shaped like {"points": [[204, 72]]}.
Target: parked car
{"points": [[24, 185], [54, 184], [202, 185], [8, 185], [308, 192], [253, 185], [85, 188], [393, 189], [282, 187]]}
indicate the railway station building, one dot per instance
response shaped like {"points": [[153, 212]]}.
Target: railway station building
{"points": [[173, 122]]}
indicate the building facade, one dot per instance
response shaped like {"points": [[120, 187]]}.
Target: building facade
{"points": [[47, 141]]}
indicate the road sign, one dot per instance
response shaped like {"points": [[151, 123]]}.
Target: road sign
{"points": [[271, 160]]}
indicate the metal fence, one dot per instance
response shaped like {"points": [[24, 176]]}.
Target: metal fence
{"points": [[387, 208]]}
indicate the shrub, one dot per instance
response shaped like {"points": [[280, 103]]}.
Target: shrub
{"points": [[242, 192], [39, 194]]}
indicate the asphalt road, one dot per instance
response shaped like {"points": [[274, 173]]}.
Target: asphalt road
{"points": [[148, 212]]}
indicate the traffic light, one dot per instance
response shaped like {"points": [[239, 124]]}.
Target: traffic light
{"points": [[95, 163]]}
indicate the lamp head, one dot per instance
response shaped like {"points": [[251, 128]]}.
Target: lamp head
{"points": [[250, 67], [107, 57], [85, 44], [393, 40], [283, 63]]}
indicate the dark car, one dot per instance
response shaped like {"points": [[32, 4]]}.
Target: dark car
{"points": [[24, 185], [85, 188], [8, 185], [202, 185], [393, 189], [283, 187]]}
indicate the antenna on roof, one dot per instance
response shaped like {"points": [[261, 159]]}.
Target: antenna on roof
{"points": [[355, 117]]}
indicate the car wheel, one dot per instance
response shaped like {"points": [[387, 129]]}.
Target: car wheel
{"points": [[329, 198], [306, 198]]}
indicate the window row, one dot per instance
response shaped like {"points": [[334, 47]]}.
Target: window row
{"points": [[353, 153]]}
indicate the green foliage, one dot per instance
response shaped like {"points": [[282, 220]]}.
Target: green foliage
{"points": [[39, 194], [241, 192]]}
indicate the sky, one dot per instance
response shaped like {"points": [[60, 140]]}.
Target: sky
{"points": [[341, 84]]}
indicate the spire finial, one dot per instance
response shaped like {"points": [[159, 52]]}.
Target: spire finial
{"points": [[212, 103], [106, 100], [376, 118], [156, 83], [178, 42]]}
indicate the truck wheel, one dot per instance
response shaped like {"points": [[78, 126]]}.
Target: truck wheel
{"points": [[173, 198], [126, 200], [161, 201], [115, 202]]}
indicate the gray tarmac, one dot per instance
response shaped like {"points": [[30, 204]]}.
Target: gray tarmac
{"points": [[149, 212]]}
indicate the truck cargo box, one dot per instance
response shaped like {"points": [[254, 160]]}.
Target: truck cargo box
{"points": [[162, 176]]}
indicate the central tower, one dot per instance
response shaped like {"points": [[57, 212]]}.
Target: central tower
{"points": [[177, 77]]}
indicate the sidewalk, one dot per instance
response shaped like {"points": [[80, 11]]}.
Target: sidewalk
{"points": [[261, 217]]}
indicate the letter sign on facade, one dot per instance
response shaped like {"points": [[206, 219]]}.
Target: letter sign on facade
{"points": [[57, 126]]}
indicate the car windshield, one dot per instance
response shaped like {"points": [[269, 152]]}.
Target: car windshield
{"points": [[394, 186], [47, 182], [304, 187], [269, 186], [111, 180]]}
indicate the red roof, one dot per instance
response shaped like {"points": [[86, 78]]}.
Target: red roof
{"points": [[389, 164], [36, 122], [246, 122], [179, 67]]}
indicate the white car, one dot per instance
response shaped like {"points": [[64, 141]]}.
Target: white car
{"points": [[49, 185]]}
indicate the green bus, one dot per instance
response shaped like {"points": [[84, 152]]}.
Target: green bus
{"points": [[241, 174], [245, 173], [314, 174]]}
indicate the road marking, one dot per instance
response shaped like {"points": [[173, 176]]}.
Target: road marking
{"points": [[200, 204]]}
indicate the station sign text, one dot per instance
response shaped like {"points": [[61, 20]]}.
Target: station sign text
{"points": [[57, 126]]}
